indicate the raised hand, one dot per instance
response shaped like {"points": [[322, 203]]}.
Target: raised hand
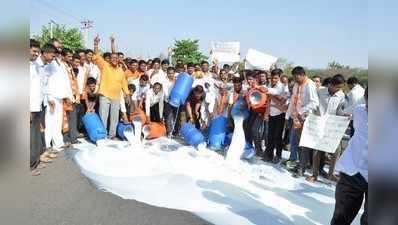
{"points": [[112, 38], [97, 39]]}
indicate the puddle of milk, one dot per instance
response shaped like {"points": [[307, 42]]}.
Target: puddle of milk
{"points": [[165, 173]]}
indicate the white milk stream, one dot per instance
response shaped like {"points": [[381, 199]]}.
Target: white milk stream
{"points": [[237, 145]]}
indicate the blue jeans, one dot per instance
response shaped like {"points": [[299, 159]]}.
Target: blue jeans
{"points": [[294, 144]]}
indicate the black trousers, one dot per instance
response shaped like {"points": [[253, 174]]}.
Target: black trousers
{"points": [[286, 134], [350, 191], [71, 135], [247, 126], [170, 114], [36, 140], [154, 113], [275, 131], [81, 111], [351, 126], [303, 152]]}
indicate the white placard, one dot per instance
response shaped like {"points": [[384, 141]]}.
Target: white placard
{"points": [[225, 52], [259, 60], [323, 133]]}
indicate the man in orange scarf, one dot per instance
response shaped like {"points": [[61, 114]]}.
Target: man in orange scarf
{"points": [[303, 102]]}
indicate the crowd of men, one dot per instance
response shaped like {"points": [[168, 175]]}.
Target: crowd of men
{"points": [[66, 84]]}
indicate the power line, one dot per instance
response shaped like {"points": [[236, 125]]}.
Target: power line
{"points": [[54, 14], [59, 9]]}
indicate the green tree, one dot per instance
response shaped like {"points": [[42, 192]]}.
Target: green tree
{"points": [[188, 51], [70, 37]]}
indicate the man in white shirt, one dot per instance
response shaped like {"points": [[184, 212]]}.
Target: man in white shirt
{"points": [[127, 109], [37, 85], [93, 70], [83, 75], [331, 101], [355, 96], [317, 81], [165, 64], [142, 87], [276, 120], [288, 86], [353, 167], [304, 101], [80, 69], [154, 103], [169, 112], [59, 88], [156, 74]]}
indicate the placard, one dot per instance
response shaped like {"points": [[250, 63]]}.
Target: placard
{"points": [[259, 60], [225, 52], [323, 133]]}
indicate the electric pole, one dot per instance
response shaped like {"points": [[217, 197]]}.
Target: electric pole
{"points": [[51, 28], [87, 25]]}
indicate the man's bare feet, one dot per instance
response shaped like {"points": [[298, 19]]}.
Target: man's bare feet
{"points": [[311, 179]]}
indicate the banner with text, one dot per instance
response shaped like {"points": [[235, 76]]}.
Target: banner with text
{"points": [[323, 133], [225, 52]]}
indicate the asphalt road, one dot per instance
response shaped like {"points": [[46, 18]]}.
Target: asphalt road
{"points": [[63, 196]]}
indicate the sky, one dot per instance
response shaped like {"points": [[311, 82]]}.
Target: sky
{"points": [[309, 33]]}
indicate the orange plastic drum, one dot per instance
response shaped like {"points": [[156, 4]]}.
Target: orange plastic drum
{"points": [[154, 130], [139, 114], [257, 100]]}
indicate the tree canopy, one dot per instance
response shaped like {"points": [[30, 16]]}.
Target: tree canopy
{"points": [[188, 51], [70, 37]]}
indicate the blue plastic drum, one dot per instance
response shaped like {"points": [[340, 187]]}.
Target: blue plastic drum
{"points": [[192, 135], [121, 127], [181, 90], [94, 127], [217, 132]]}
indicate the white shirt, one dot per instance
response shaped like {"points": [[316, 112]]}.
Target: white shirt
{"points": [[38, 83], [286, 92], [59, 85], [140, 91], [81, 77], [278, 89], [151, 99], [354, 97], [198, 81], [309, 99], [355, 157], [330, 104], [167, 86], [158, 77], [94, 71], [210, 99]]}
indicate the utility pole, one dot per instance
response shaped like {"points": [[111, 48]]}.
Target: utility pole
{"points": [[87, 25], [169, 54], [51, 28]]}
